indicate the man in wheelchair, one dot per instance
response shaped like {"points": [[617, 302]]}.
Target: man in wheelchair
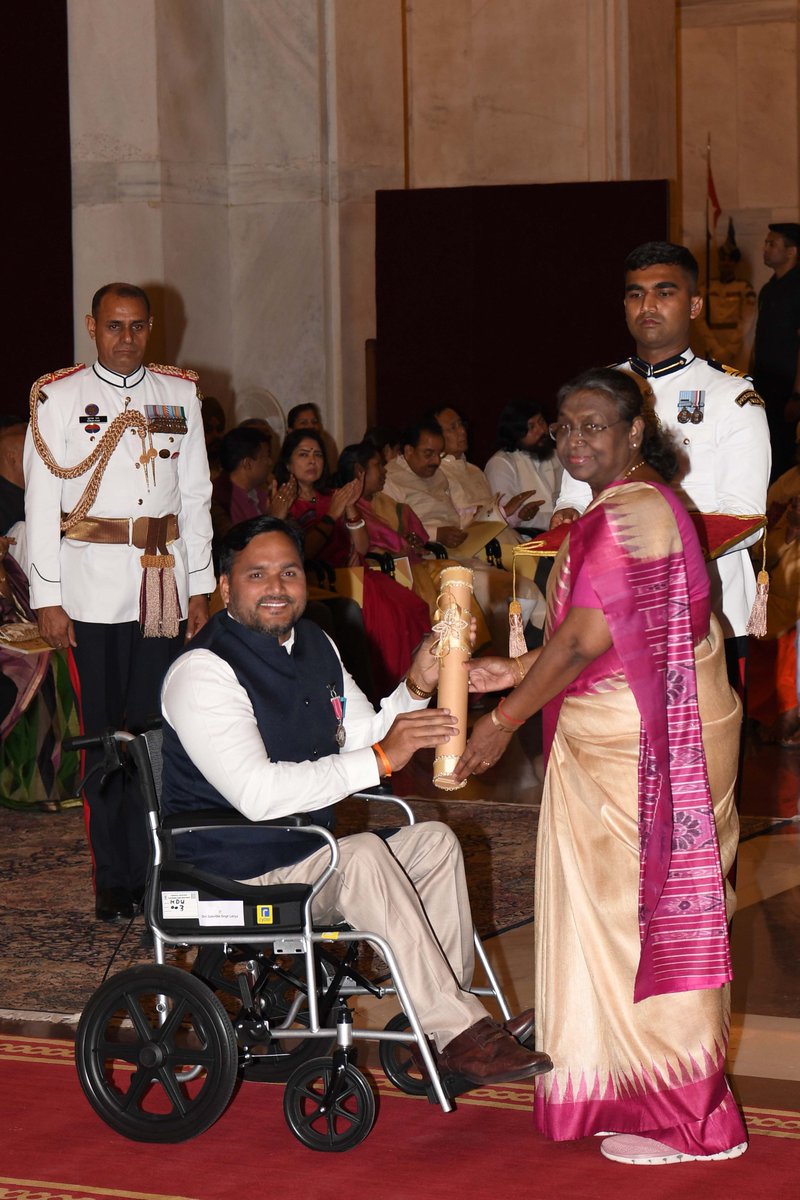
{"points": [[260, 715]]}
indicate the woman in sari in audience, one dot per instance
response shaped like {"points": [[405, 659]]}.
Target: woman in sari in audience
{"points": [[37, 704], [393, 528], [334, 532], [638, 825]]}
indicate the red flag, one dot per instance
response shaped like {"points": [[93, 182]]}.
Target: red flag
{"points": [[716, 207]]}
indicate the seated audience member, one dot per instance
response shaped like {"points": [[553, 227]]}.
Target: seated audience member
{"points": [[386, 439], [772, 697], [213, 427], [394, 529], [307, 416], [415, 478], [240, 489], [37, 703], [250, 724], [525, 462], [470, 490], [395, 619], [12, 486], [263, 425]]}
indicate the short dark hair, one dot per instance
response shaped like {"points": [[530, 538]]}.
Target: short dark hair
{"points": [[788, 230], [412, 435], [241, 535], [382, 436], [294, 413], [359, 454], [127, 291], [239, 444], [656, 254], [290, 444], [513, 422], [621, 388]]}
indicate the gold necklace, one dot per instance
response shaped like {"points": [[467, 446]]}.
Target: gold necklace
{"points": [[635, 467]]}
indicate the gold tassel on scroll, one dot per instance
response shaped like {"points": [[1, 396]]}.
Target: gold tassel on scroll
{"points": [[452, 648]]}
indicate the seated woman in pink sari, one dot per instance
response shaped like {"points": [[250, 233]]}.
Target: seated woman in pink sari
{"points": [[638, 827], [395, 619], [393, 528]]}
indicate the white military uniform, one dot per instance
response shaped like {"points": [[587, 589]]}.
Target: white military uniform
{"points": [[100, 583], [158, 470], [724, 462]]}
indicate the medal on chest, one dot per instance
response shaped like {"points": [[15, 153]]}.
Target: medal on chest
{"points": [[338, 704], [691, 406]]}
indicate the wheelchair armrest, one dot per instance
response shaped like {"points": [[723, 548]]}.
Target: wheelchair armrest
{"points": [[384, 794], [213, 818], [437, 549]]}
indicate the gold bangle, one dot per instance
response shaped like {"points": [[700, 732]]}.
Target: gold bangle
{"points": [[499, 724], [520, 668], [386, 767], [416, 690]]}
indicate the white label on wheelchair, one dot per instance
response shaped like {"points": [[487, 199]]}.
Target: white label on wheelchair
{"points": [[179, 904], [220, 912]]}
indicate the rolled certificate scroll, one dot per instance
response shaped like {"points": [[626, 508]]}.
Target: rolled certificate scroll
{"points": [[452, 648]]}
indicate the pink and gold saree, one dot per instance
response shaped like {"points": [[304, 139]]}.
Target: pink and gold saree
{"points": [[637, 832]]}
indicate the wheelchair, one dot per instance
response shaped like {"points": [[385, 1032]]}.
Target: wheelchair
{"points": [[159, 1049]]}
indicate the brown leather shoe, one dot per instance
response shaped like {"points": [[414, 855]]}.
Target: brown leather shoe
{"points": [[521, 1027], [487, 1053]]}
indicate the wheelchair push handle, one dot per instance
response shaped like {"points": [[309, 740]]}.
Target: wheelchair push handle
{"points": [[108, 742], [95, 741]]}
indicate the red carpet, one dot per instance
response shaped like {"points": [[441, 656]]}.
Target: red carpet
{"points": [[53, 1147]]}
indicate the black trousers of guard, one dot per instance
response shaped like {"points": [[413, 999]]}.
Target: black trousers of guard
{"points": [[118, 676]]}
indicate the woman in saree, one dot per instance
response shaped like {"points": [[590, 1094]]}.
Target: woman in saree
{"points": [[334, 532], [638, 827], [37, 704], [394, 528]]}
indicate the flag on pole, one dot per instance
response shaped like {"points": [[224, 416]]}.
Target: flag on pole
{"points": [[715, 207]]}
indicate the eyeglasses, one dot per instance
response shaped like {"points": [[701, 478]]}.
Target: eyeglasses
{"points": [[587, 431]]}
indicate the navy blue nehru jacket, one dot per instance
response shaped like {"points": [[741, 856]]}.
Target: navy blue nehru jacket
{"points": [[291, 698]]}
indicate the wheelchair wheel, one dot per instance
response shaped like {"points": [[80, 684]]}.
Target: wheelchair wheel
{"points": [[156, 1054], [280, 997], [346, 1121], [398, 1062]]}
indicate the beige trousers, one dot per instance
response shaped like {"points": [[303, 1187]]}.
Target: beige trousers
{"points": [[410, 890]]}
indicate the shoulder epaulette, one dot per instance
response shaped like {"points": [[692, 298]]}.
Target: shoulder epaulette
{"points": [[726, 370], [177, 372], [750, 396], [38, 393]]}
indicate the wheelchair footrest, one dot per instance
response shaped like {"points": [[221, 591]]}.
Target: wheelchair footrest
{"points": [[454, 1085]]}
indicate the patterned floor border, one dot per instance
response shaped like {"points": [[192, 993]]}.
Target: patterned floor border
{"points": [[766, 1122]]}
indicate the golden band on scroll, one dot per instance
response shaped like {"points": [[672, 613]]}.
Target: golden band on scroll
{"points": [[452, 648]]}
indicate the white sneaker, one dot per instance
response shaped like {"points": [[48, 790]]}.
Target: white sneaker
{"points": [[645, 1152]]}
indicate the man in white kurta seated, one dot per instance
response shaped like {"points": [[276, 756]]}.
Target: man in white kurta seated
{"points": [[525, 461], [416, 478], [260, 716]]}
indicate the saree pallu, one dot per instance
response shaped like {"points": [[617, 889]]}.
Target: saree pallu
{"points": [[34, 771], [389, 523], [654, 1066]]}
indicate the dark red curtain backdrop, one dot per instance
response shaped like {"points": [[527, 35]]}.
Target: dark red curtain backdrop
{"points": [[37, 197], [487, 294]]}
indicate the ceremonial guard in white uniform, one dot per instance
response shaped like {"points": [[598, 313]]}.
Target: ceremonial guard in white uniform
{"points": [[717, 417], [119, 544]]}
